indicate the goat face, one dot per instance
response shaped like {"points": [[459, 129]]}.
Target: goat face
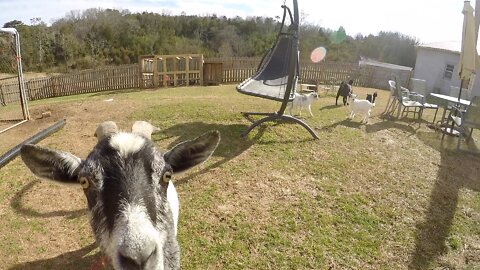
{"points": [[132, 202]]}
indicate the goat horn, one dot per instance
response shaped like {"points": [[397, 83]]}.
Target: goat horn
{"points": [[144, 128], [105, 129]]}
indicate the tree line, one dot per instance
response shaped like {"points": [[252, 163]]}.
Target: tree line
{"points": [[97, 37]]}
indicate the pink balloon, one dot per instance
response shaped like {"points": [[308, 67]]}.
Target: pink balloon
{"points": [[318, 54]]}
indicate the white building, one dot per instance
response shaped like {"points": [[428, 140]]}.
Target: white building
{"points": [[437, 63], [382, 72]]}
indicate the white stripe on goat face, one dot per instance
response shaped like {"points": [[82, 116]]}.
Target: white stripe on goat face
{"points": [[134, 239]]}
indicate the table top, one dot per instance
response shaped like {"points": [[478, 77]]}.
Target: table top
{"points": [[450, 98]]}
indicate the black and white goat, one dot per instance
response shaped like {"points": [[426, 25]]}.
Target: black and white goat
{"points": [[127, 183], [362, 106], [302, 101], [371, 97]]}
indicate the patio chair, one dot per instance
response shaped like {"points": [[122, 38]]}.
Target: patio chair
{"points": [[408, 100], [277, 75], [419, 87], [464, 119], [392, 97]]}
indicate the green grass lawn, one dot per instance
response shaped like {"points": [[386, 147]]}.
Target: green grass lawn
{"points": [[385, 195]]}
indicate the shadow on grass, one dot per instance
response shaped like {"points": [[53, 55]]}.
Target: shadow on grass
{"points": [[329, 107], [346, 123], [405, 126], [78, 259], [457, 170], [17, 205], [231, 143]]}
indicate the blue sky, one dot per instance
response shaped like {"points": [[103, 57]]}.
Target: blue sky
{"points": [[426, 20]]}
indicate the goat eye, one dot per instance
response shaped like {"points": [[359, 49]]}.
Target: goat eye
{"points": [[84, 182], [167, 176]]}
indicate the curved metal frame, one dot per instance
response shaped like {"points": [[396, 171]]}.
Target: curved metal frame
{"points": [[292, 77]]}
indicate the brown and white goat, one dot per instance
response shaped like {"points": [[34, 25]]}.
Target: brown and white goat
{"points": [[127, 183]]}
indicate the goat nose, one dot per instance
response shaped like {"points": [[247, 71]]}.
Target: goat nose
{"points": [[135, 260], [129, 263]]}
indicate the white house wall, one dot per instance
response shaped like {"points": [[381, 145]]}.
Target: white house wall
{"points": [[430, 66]]}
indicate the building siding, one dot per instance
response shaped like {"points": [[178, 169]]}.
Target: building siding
{"points": [[430, 66]]}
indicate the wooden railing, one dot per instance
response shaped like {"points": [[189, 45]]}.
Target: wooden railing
{"points": [[9, 93], [234, 70], [334, 73], [237, 69], [86, 81], [171, 70]]}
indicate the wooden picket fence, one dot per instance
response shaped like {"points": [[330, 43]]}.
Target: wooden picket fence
{"points": [[86, 81], [233, 70], [237, 69], [332, 73]]}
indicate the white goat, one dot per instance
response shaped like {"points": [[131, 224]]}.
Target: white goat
{"points": [[361, 106], [132, 202], [303, 101]]}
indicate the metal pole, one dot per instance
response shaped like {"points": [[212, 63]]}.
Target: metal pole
{"points": [[23, 96], [12, 153], [21, 82]]}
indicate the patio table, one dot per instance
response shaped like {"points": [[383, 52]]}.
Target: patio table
{"points": [[448, 98]]}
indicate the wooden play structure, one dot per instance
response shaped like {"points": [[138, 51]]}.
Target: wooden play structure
{"points": [[171, 70]]}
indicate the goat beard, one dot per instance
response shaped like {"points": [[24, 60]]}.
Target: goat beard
{"points": [[101, 263]]}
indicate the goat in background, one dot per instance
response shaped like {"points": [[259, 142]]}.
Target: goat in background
{"points": [[362, 106], [303, 101]]}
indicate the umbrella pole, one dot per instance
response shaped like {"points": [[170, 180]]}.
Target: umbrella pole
{"points": [[460, 92]]}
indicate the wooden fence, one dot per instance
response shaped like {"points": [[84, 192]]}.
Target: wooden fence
{"points": [[86, 81], [9, 92], [234, 69], [329, 73], [237, 69], [171, 70]]}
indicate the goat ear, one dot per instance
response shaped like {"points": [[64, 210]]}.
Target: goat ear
{"points": [[187, 154], [51, 164]]}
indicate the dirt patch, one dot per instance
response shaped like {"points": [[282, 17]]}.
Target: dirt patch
{"points": [[54, 215], [81, 118]]}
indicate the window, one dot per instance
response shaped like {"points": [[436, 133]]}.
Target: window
{"points": [[448, 74]]}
